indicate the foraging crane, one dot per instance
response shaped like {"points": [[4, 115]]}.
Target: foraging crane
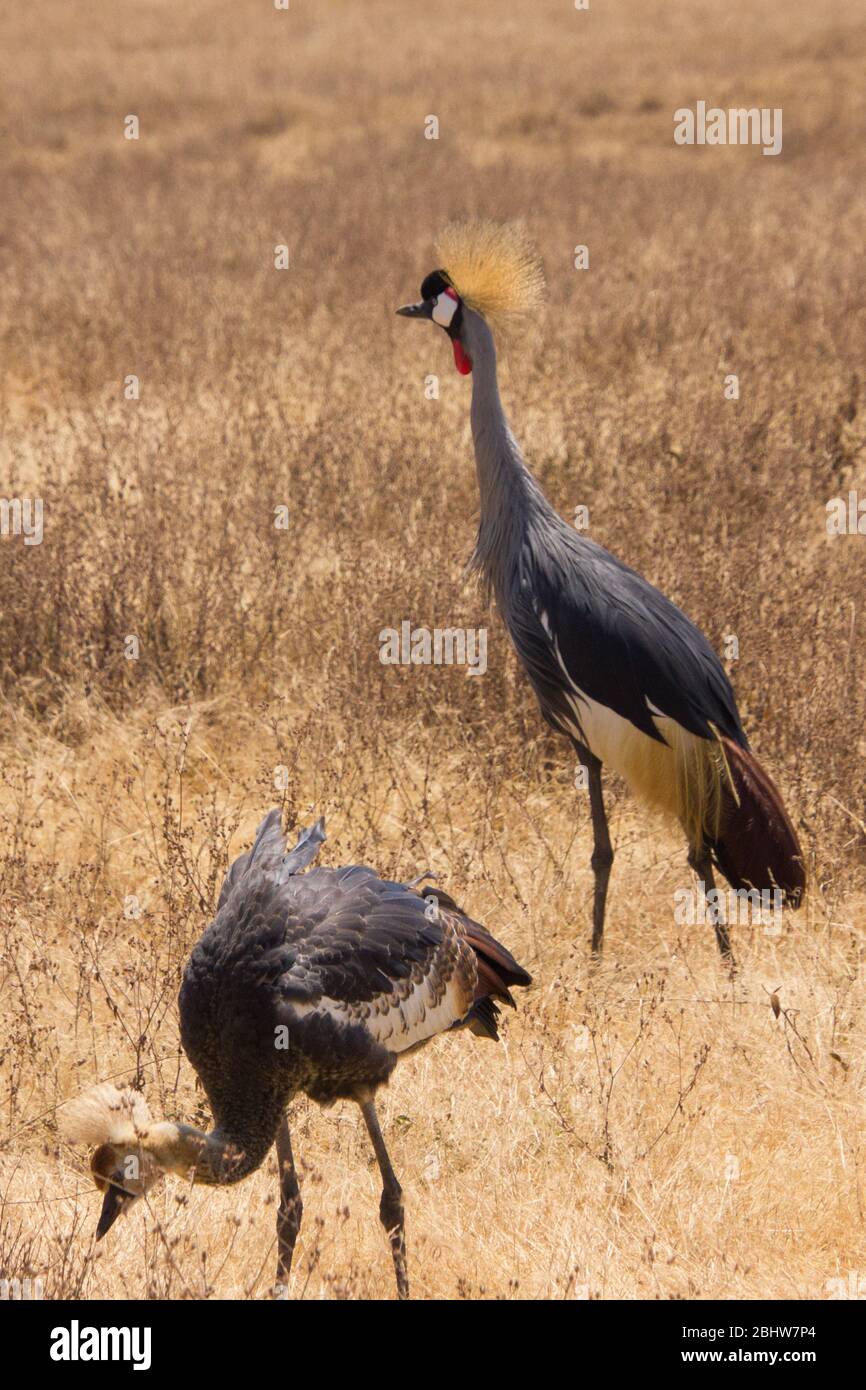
{"points": [[312, 982], [616, 667]]}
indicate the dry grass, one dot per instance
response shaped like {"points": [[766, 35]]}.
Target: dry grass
{"points": [[647, 1131]]}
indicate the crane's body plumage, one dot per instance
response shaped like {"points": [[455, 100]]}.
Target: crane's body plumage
{"points": [[577, 611], [347, 967], [310, 983], [616, 666]]}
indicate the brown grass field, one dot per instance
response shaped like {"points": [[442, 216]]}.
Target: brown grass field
{"points": [[646, 1130]]}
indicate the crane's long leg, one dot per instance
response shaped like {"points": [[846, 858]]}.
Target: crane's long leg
{"points": [[290, 1210], [602, 851], [699, 860], [391, 1205]]}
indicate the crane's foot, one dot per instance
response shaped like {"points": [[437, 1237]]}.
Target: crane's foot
{"points": [[391, 1216], [391, 1204]]}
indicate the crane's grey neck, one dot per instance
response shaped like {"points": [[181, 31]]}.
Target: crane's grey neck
{"points": [[509, 494], [220, 1157], [246, 1127]]}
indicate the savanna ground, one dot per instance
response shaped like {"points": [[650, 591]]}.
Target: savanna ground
{"points": [[646, 1130]]}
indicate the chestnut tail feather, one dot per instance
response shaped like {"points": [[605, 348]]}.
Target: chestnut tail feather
{"points": [[757, 846], [497, 969]]}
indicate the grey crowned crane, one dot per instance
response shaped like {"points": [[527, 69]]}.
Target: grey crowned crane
{"points": [[616, 667], [311, 982]]}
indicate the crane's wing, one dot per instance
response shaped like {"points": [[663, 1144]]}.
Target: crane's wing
{"points": [[348, 963], [585, 624], [269, 852], [496, 966], [365, 950]]}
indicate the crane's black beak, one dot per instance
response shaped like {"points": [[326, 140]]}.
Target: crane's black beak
{"points": [[113, 1203], [422, 310]]}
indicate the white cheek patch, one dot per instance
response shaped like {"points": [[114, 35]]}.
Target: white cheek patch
{"points": [[445, 308]]}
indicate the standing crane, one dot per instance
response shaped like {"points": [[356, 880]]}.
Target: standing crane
{"points": [[313, 982], [617, 668]]}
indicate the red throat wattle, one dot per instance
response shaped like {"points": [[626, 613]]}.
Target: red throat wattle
{"points": [[462, 360]]}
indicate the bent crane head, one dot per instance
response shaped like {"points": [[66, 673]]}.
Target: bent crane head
{"points": [[489, 271], [123, 1174], [132, 1150], [119, 1124]]}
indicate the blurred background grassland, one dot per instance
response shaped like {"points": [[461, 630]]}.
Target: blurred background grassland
{"points": [[593, 1152]]}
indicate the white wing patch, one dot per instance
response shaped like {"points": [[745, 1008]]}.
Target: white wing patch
{"points": [[647, 765], [416, 1009]]}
